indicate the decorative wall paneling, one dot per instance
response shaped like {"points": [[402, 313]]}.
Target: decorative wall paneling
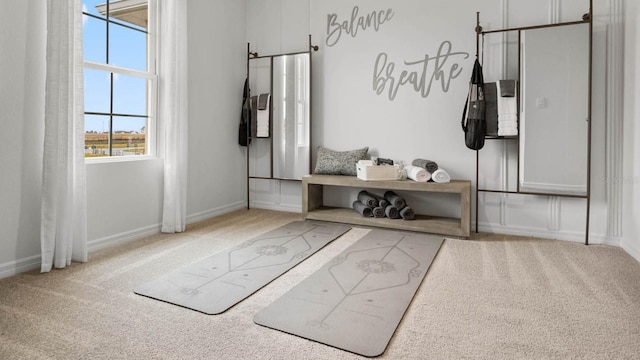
{"points": [[557, 11], [553, 201], [613, 178]]}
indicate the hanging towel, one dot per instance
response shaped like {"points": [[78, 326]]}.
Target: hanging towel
{"points": [[508, 119], [407, 213], [507, 88], [263, 116], [507, 108], [417, 173], [395, 200], [362, 209], [367, 199], [429, 165], [253, 108], [392, 212], [440, 176], [491, 114], [508, 131], [378, 212]]}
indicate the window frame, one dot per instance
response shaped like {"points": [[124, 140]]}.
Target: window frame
{"points": [[151, 76]]}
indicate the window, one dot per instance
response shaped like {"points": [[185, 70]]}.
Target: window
{"points": [[119, 77]]}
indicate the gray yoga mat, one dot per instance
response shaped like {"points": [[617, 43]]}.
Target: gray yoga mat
{"points": [[356, 301], [216, 283]]}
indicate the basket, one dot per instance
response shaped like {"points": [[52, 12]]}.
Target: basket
{"points": [[368, 171]]}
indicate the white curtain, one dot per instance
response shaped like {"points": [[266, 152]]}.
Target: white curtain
{"points": [[63, 234], [172, 111]]}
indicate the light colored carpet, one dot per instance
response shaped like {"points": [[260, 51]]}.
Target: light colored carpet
{"points": [[492, 297], [219, 281], [356, 301]]}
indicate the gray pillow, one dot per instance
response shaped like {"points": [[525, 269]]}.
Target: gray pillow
{"points": [[331, 162]]}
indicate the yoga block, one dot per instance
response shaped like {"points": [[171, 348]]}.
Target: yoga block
{"points": [[366, 170]]}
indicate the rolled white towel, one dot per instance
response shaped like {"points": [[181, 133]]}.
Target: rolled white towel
{"points": [[441, 176], [508, 118], [507, 132], [507, 106], [417, 173], [263, 116]]}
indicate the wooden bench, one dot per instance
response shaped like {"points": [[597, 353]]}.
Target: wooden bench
{"points": [[312, 206]]}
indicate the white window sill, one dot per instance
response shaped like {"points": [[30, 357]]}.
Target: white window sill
{"points": [[117, 159]]}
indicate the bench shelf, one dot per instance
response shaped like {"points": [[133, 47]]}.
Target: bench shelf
{"points": [[313, 208]]}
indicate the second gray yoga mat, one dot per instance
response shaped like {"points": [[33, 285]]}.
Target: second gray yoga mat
{"points": [[356, 301], [216, 283]]}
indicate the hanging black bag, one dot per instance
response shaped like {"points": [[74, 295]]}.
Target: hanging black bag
{"points": [[244, 138], [473, 117]]}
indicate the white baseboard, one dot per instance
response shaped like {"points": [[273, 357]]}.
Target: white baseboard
{"points": [[123, 237], [33, 262], [276, 207], [573, 236], [19, 266], [155, 229], [632, 249], [208, 214]]}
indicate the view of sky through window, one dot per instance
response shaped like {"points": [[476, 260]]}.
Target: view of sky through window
{"points": [[126, 49]]}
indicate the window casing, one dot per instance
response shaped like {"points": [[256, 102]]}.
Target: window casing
{"points": [[120, 86]]}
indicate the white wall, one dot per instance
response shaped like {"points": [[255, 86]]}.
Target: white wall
{"points": [[217, 49], [347, 112], [631, 179], [124, 199]]}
